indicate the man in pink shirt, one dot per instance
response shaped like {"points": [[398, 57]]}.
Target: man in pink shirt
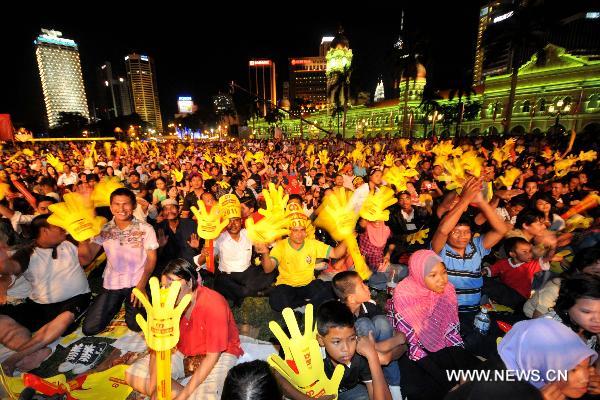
{"points": [[130, 246]]}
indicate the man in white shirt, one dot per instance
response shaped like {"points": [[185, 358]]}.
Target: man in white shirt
{"points": [[68, 177], [59, 295], [236, 277]]}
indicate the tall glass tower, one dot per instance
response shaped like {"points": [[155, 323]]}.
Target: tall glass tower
{"points": [[60, 74], [142, 77]]}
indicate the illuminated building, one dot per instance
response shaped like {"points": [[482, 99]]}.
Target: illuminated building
{"points": [[263, 83], [564, 82], [325, 44], [577, 32], [223, 104], [185, 105], [114, 96], [60, 74], [308, 80], [142, 77]]}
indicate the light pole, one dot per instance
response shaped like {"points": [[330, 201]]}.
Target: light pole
{"points": [[434, 117], [560, 107]]}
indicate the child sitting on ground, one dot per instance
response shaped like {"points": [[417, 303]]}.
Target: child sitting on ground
{"points": [[516, 273], [370, 318]]}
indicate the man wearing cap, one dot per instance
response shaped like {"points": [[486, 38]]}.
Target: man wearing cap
{"points": [[236, 277], [295, 258], [177, 237]]}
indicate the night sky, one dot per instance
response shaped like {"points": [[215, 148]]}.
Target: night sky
{"points": [[198, 51]]}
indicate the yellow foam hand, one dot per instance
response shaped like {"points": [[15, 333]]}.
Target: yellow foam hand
{"points": [[413, 161], [454, 174], [275, 200], [224, 185], [76, 215], [161, 325], [440, 160], [397, 176], [547, 153], [106, 385], [578, 221], [310, 149], [377, 147], [419, 236], [180, 150], [303, 365], [206, 175], [107, 149], [444, 148], [388, 161], [583, 155], [421, 147], [102, 191], [268, 229], [4, 189], [562, 167], [509, 177], [403, 143], [337, 216], [218, 159], [375, 205], [357, 155], [519, 149], [210, 225], [28, 152], [259, 157], [472, 163], [312, 159], [498, 155], [177, 175], [323, 157], [207, 157], [55, 162], [367, 150]]}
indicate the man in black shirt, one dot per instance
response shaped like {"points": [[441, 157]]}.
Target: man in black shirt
{"points": [[191, 199]]}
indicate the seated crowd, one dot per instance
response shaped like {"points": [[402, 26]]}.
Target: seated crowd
{"points": [[452, 269]]}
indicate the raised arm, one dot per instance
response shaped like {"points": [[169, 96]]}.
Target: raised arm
{"points": [[499, 227]]}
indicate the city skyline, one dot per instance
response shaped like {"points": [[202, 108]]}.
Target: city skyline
{"points": [[199, 59]]}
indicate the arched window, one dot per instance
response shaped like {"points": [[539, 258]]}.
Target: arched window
{"points": [[526, 106], [593, 101], [542, 105]]}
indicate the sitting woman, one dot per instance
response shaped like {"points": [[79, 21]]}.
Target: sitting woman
{"points": [[424, 307], [209, 344], [545, 203], [578, 307], [544, 350]]}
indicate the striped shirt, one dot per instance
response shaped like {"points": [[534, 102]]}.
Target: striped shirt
{"points": [[464, 272]]}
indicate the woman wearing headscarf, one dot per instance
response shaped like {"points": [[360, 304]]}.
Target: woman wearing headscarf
{"points": [[541, 348], [424, 307]]}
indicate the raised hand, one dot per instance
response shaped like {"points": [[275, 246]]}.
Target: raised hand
{"points": [[303, 364], [337, 215], [275, 200], [76, 215], [194, 241], [268, 229], [323, 157], [177, 175], [210, 225]]}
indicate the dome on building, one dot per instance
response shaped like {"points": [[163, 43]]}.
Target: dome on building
{"points": [[340, 39], [420, 73]]}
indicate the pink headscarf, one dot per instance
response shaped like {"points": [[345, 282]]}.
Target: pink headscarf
{"points": [[378, 233], [430, 314]]}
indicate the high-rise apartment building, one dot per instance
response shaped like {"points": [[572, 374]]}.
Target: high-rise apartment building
{"points": [[113, 94], [263, 84], [308, 80], [141, 74], [60, 74]]}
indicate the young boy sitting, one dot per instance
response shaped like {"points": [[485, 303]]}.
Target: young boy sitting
{"points": [[516, 273], [352, 291]]}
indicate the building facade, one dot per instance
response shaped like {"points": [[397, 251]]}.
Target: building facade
{"points": [[60, 75], [141, 74], [114, 96], [262, 81], [308, 81]]}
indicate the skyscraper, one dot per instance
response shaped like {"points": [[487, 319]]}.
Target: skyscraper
{"points": [[142, 77], [60, 75], [308, 80], [114, 96], [263, 84]]}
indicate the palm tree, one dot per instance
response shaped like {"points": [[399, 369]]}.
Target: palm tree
{"points": [[463, 87], [526, 30], [338, 89], [339, 71], [429, 104]]}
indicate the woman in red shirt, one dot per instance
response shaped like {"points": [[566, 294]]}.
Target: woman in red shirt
{"points": [[209, 343]]}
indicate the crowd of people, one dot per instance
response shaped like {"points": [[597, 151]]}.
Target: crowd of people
{"points": [[484, 238]]}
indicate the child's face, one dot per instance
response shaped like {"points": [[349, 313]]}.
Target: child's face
{"points": [[339, 343], [361, 291], [522, 252]]}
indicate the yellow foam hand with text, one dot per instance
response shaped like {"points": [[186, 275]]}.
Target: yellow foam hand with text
{"points": [[268, 229], [337, 216], [303, 364], [55, 162], [161, 325], [275, 200], [210, 225], [76, 215], [509, 177], [323, 157], [419, 236], [102, 191], [374, 207], [177, 175]]}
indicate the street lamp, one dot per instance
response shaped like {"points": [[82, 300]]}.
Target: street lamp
{"points": [[560, 107], [434, 117]]}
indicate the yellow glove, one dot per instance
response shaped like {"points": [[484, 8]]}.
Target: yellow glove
{"points": [[374, 207], [275, 201], [4, 188], [76, 215], [303, 364], [337, 216], [177, 175], [419, 236], [268, 229], [224, 185], [210, 225], [161, 326], [106, 385], [323, 157], [388, 160], [102, 191]]}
